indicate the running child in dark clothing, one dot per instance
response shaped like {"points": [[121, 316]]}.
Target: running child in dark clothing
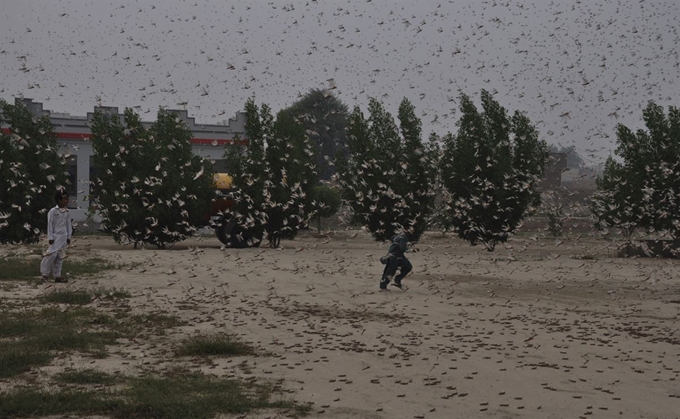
{"points": [[394, 259]]}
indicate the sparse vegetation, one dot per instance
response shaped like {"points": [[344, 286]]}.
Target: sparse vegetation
{"points": [[87, 376], [17, 269], [219, 345], [35, 337], [82, 296], [159, 321], [29, 339], [15, 360], [67, 296], [32, 338], [179, 396]]}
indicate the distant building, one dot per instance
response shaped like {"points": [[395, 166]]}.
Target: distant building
{"points": [[73, 135], [553, 169]]}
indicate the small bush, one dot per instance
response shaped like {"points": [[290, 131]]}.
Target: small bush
{"points": [[555, 220]]}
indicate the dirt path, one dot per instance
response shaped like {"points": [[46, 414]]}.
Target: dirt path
{"points": [[533, 330]]}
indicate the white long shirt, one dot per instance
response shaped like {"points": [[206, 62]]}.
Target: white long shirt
{"points": [[59, 228]]}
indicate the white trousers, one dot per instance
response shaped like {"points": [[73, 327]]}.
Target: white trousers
{"points": [[52, 262]]}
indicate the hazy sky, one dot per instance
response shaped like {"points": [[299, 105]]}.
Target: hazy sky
{"points": [[576, 67]]}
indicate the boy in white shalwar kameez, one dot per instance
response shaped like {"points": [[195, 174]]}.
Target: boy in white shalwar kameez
{"points": [[59, 230]]}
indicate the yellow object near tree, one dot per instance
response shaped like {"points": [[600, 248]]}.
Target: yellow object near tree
{"points": [[223, 181]]}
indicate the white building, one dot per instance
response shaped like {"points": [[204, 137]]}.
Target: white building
{"points": [[73, 135]]}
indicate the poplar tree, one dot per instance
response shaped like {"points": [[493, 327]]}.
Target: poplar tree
{"points": [[388, 176], [272, 176], [490, 169], [323, 118], [31, 172], [150, 187]]}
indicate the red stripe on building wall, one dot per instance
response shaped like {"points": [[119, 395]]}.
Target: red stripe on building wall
{"points": [[87, 136], [73, 135]]}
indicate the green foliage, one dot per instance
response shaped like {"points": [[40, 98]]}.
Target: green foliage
{"points": [[388, 179], [490, 169], [420, 172], [618, 201], [245, 219], [327, 200], [31, 171], [323, 117], [150, 187], [555, 219], [272, 177], [299, 155], [641, 188]]}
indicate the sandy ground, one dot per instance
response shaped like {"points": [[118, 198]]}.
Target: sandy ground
{"points": [[536, 329]]}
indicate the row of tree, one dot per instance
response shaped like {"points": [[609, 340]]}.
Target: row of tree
{"points": [[640, 187], [480, 182]]}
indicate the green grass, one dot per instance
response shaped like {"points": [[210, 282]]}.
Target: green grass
{"points": [[65, 296], [14, 268], [17, 359], [218, 345], [198, 396], [16, 325], [30, 339], [73, 340], [183, 396], [87, 376], [36, 403]]}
